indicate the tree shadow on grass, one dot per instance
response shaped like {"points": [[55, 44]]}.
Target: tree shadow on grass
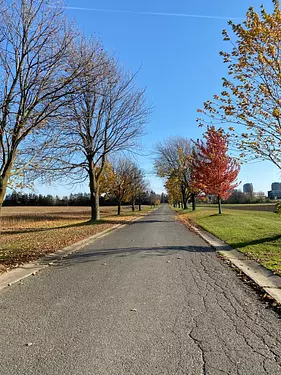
{"points": [[84, 224], [223, 214], [256, 242], [54, 216], [77, 225]]}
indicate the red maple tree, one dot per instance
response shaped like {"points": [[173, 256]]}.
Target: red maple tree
{"points": [[214, 172]]}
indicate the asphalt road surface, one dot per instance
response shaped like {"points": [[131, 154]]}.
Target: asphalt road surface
{"points": [[151, 298]]}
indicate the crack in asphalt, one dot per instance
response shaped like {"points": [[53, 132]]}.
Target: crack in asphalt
{"points": [[260, 337], [216, 286]]}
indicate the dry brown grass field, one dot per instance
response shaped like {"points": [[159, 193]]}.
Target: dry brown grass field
{"points": [[30, 232]]}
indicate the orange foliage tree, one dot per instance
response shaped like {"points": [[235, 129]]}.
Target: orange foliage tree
{"points": [[214, 172]]}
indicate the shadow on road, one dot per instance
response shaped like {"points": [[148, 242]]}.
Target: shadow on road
{"points": [[90, 256], [153, 221]]}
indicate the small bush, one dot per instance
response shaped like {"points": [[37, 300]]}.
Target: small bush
{"points": [[278, 208]]}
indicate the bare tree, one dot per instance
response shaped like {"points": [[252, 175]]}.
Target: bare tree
{"points": [[137, 184], [142, 192], [35, 82], [172, 161], [108, 117]]}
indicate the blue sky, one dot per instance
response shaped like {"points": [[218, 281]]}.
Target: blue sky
{"points": [[179, 60]]}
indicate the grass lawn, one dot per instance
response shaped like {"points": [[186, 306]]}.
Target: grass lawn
{"points": [[30, 232], [255, 233]]}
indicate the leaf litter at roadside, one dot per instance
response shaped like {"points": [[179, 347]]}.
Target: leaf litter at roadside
{"points": [[23, 242]]}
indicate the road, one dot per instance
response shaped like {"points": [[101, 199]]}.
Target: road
{"points": [[151, 298]]}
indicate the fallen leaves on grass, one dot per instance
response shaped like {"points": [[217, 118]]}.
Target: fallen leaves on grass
{"points": [[25, 240], [26, 247]]}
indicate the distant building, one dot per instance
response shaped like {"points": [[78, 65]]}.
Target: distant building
{"points": [[275, 192], [248, 189], [259, 194], [276, 186]]}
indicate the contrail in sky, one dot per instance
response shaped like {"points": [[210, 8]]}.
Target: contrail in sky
{"points": [[151, 13]]}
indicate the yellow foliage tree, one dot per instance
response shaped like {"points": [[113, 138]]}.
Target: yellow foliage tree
{"points": [[173, 162], [119, 181], [250, 99], [173, 189]]}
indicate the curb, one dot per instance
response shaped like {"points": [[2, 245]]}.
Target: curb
{"points": [[264, 278], [30, 269]]}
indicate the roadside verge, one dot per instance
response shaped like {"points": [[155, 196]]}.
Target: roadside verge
{"points": [[264, 278]]}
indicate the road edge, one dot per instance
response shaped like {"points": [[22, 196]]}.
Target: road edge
{"points": [[260, 275]]}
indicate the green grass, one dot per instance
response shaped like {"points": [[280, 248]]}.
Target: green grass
{"points": [[255, 233]]}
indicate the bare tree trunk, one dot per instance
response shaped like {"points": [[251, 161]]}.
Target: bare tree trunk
{"points": [[94, 193], [139, 206], [133, 203], [4, 179], [3, 188], [193, 198], [184, 198], [97, 204], [119, 209], [219, 202]]}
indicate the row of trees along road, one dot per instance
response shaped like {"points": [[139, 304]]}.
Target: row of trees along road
{"points": [[65, 104], [249, 104], [195, 168], [125, 183]]}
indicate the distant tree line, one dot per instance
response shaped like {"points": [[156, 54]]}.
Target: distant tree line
{"points": [[17, 198], [239, 197]]}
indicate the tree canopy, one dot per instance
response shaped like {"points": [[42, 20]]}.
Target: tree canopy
{"points": [[214, 171], [250, 102]]}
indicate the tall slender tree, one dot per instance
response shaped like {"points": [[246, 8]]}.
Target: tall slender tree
{"points": [[137, 184]]}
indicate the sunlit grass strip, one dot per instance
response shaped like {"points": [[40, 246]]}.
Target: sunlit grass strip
{"points": [[255, 233]]}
